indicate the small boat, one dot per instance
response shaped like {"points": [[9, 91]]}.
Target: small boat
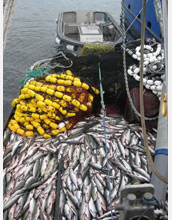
{"points": [[77, 28]]}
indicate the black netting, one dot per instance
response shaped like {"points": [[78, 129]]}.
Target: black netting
{"points": [[86, 67]]}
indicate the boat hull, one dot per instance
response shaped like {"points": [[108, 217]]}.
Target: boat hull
{"points": [[133, 12]]}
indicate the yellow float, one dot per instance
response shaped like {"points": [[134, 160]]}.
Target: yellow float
{"points": [[44, 103]]}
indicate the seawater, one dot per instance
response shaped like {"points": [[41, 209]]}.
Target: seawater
{"points": [[32, 38]]}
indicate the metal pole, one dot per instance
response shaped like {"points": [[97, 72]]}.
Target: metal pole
{"points": [[161, 152]]}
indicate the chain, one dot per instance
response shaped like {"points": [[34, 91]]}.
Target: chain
{"points": [[124, 65]]}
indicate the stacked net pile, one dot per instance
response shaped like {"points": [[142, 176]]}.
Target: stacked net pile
{"points": [[52, 104]]}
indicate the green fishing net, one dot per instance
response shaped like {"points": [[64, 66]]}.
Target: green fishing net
{"points": [[33, 74]]}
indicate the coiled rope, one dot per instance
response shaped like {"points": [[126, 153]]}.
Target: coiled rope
{"points": [[46, 63]]}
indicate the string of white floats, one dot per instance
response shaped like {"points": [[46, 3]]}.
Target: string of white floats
{"points": [[153, 60]]}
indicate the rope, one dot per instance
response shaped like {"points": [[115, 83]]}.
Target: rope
{"points": [[153, 202], [134, 18], [46, 62], [162, 178], [125, 70], [127, 28], [7, 19], [160, 68], [106, 149], [142, 215]]}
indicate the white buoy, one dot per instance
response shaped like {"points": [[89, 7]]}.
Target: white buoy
{"points": [[159, 93], [146, 59], [159, 88], [61, 125], [146, 62], [154, 67], [155, 92], [152, 59], [138, 53], [159, 45], [137, 70], [162, 77], [148, 47], [130, 52], [157, 83], [71, 47], [153, 87], [138, 48], [58, 41], [147, 86], [137, 78], [158, 50], [150, 82], [155, 53], [130, 72], [159, 58], [144, 81], [149, 55], [134, 56]]}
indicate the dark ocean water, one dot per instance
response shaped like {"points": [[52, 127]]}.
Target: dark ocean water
{"points": [[32, 38]]}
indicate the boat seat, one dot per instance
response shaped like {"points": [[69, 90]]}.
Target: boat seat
{"points": [[71, 28]]}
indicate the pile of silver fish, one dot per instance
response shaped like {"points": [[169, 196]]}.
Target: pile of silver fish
{"points": [[66, 177]]}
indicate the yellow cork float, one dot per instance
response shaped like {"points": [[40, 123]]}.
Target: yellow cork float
{"points": [[51, 105]]}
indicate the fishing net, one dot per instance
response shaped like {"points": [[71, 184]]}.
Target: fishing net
{"points": [[96, 48], [59, 100], [111, 64], [51, 104], [33, 74]]}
